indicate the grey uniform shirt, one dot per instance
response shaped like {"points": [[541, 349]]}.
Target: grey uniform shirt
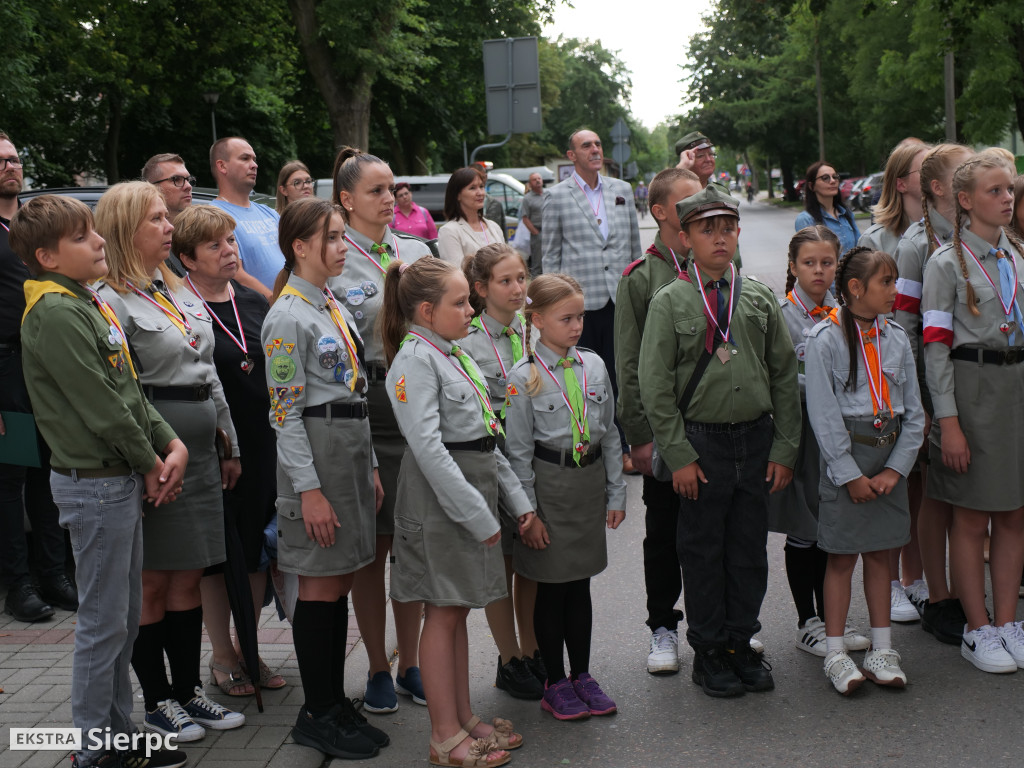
{"points": [[829, 401], [435, 404], [308, 364], [481, 346], [800, 323], [532, 207], [948, 322], [164, 358], [547, 419], [879, 238], [360, 286]]}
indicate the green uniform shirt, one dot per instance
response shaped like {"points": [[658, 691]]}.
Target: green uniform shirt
{"points": [[641, 280], [88, 406], [761, 377]]}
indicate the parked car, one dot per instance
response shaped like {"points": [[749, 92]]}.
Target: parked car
{"points": [[846, 187], [870, 192]]}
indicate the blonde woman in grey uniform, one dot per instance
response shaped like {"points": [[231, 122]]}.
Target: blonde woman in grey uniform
{"points": [[452, 479], [364, 188], [327, 487], [973, 339], [171, 338], [563, 445], [865, 408]]}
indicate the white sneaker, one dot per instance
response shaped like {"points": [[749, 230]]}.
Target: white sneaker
{"points": [[983, 647], [854, 640], [664, 656], [1012, 635], [811, 637], [842, 672], [917, 594], [756, 645], [900, 608], [883, 667]]}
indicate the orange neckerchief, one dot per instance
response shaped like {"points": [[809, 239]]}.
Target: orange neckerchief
{"points": [[818, 313], [876, 379]]}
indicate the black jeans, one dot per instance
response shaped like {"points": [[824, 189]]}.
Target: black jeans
{"points": [[722, 535], [26, 489], [599, 335], [662, 576]]}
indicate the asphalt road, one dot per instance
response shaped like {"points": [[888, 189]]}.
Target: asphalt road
{"points": [[949, 715]]}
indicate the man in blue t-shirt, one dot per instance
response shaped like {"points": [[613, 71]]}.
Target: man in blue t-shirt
{"points": [[233, 163]]}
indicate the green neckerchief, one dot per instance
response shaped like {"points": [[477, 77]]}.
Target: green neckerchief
{"points": [[574, 394], [381, 250]]}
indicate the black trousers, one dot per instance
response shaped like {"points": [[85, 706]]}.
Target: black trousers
{"points": [[723, 533], [599, 336], [662, 575]]}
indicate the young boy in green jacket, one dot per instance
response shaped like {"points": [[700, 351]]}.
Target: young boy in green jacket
{"points": [[106, 440]]}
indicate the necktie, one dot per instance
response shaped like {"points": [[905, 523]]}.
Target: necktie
{"points": [[574, 394], [1007, 283], [723, 305], [382, 252], [493, 427], [517, 343], [875, 376]]}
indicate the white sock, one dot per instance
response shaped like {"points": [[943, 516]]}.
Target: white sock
{"points": [[896, 584], [834, 645], [881, 638]]}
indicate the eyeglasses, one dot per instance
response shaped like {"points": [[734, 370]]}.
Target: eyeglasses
{"points": [[828, 177], [13, 162], [300, 183], [178, 181], [705, 155]]}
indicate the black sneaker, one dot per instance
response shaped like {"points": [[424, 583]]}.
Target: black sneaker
{"points": [[536, 665], [59, 592], [24, 603], [713, 672], [516, 679], [108, 759], [945, 620], [161, 758], [333, 734], [376, 735], [750, 667]]}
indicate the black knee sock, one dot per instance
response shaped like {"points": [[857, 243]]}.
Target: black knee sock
{"points": [[800, 571], [820, 565], [313, 635], [148, 663], [549, 626], [579, 622], [341, 645], [183, 638]]}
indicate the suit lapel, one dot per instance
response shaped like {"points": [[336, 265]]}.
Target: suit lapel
{"points": [[580, 197]]}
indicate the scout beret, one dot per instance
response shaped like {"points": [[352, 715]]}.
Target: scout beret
{"points": [[710, 201], [692, 140]]}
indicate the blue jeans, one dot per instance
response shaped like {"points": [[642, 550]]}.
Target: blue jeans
{"points": [[722, 535], [104, 519]]}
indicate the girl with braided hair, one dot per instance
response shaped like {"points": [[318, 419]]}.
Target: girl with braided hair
{"points": [[865, 409], [973, 347]]}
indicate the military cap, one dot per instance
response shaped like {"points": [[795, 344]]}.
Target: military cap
{"points": [[710, 201], [692, 140]]}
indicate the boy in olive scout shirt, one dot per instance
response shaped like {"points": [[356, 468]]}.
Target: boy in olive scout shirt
{"points": [[661, 264], [105, 438], [718, 381]]}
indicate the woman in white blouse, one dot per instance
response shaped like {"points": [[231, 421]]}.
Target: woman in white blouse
{"points": [[466, 230]]}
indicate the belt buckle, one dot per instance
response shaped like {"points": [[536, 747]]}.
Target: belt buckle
{"points": [[586, 459], [884, 440], [1010, 356]]}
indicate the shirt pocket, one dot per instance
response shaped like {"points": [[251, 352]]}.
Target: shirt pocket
{"points": [[756, 319], [896, 377], [460, 411], [551, 416], [689, 328], [990, 312], [852, 400]]}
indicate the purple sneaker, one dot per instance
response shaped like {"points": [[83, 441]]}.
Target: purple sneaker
{"points": [[561, 701], [590, 693]]}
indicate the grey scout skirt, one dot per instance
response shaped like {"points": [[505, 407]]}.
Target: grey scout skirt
{"points": [[389, 445]]}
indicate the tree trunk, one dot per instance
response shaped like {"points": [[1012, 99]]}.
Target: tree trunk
{"points": [[112, 140], [1017, 41]]}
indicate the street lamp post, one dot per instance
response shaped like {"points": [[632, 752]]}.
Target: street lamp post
{"points": [[211, 99]]}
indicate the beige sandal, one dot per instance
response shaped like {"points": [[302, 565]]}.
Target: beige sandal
{"points": [[440, 754], [235, 679], [504, 734]]}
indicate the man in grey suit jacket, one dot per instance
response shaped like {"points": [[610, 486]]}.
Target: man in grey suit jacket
{"points": [[591, 233]]}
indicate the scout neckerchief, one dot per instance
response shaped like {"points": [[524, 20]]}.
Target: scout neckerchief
{"points": [[818, 313], [653, 250], [116, 331], [380, 249], [1007, 297], [470, 373], [246, 365], [167, 304], [514, 338], [726, 335], [339, 322], [573, 397], [872, 358]]}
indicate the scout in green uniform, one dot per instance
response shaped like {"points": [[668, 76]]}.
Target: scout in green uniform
{"points": [[663, 263], [106, 440], [718, 381]]}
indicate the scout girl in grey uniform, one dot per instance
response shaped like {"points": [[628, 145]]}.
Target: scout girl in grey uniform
{"points": [[563, 445], [451, 480], [171, 338], [900, 203], [973, 339], [813, 257], [941, 612], [865, 409], [326, 478], [364, 188], [497, 286]]}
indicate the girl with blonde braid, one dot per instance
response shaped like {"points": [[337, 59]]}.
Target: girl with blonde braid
{"points": [[974, 347]]}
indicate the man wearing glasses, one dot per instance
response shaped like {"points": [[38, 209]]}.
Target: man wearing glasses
{"points": [[697, 154], [170, 174], [24, 489]]}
